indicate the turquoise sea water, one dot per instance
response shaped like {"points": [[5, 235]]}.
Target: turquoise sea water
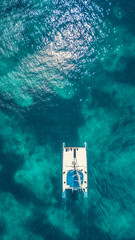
{"points": [[67, 74]]}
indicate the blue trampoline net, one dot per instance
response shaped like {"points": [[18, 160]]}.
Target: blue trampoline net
{"points": [[72, 178]]}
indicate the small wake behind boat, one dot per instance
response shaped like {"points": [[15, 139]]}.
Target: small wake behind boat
{"points": [[74, 171]]}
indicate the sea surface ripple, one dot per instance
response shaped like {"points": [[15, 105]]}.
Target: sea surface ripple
{"points": [[67, 75]]}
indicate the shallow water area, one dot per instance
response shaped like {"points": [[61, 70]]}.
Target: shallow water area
{"points": [[67, 75]]}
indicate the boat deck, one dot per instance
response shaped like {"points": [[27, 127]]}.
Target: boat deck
{"points": [[74, 169]]}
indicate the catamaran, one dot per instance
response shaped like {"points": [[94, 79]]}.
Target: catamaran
{"points": [[74, 171]]}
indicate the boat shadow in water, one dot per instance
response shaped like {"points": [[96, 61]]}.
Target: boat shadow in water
{"points": [[76, 205]]}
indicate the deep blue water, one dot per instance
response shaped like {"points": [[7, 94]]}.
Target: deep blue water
{"points": [[67, 74]]}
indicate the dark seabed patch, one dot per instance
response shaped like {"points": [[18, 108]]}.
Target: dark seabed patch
{"points": [[67, 75]]}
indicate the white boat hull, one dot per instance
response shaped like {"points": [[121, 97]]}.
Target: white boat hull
{"points": [[74, 170]]}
